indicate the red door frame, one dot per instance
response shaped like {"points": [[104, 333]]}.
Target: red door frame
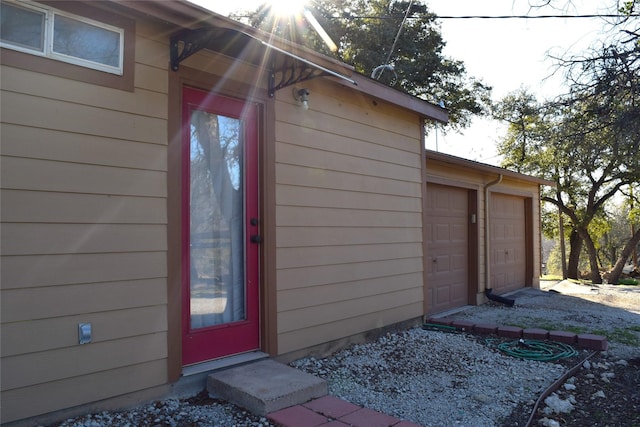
{"points": [[209, 343]]}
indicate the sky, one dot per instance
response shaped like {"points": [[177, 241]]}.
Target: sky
{"points": [[506, 54]]}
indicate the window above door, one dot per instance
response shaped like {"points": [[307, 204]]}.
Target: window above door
{"points": [[73, 40], [45, 31]]}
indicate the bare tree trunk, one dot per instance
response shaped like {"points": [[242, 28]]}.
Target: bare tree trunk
{"points": [[596, 278], [575, 247], [624, 255], [563, 249], [634, 253]]}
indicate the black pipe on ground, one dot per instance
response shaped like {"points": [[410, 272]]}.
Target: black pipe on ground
{"points": [[506, 301]]}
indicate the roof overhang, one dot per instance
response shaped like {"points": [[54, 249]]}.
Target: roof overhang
{"points": [[286, 68], [485, 168], [286, 62]]}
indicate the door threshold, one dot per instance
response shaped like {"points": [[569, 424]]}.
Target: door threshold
{"points": [[225, 362]]}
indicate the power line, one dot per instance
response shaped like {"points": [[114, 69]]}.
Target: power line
{"points": [[634, 15], [536, 16]]}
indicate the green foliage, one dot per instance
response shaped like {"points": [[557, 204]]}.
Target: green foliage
{"points": [[365, 32], [586, 141], [622, 335]]}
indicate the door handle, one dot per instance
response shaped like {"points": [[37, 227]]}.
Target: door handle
{"points": [[256, 238]]}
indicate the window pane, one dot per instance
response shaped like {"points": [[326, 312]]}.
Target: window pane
{"points": [[22, 27], [217, 220], [82, 40]]}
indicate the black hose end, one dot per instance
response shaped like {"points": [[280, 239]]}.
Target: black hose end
{"points": [[506, 301]]}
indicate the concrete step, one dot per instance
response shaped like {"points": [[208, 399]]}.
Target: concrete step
{"points": [[265, 386]]}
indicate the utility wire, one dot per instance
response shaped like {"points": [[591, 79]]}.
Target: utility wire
{"points": [[406, 15], [633, 15]]}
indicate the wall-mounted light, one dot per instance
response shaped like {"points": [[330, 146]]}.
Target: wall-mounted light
{"points": [[302, 97]]}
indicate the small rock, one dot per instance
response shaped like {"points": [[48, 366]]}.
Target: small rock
{"points": [[568, 386], [599, 393], [606, 376], [546, 422], [558, 405], [586, 364]]}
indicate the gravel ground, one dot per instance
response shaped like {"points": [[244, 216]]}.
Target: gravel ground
{"points": [[435, 378]]}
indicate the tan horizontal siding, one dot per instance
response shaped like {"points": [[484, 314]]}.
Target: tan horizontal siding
{"points": [[294, 299], [37, 206], [330, 179], [42, 367], [325, 332], [84, 219], [322, 255], [293, 278], [47, 144], [45, 87], [51, 396], [312, 158], [60, 332], [321, 178], [291, 237], [28, 110], [151, 78], [346, 309], [80, 178], [384, 150], [312, 197], [297, 216], [65, 300], [65, 269], [348, 213], [39, 239], [350, 114], [152, 49]]}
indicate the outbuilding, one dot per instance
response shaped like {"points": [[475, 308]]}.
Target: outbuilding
{"points": [[180, 191]]}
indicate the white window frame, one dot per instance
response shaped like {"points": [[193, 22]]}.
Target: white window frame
{"points": [[48, 52]]}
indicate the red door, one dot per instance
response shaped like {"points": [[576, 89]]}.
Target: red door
{"points": [[220, 227]]}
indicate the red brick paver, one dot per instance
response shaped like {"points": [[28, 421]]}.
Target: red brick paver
{"points": [[330, 411], [298, 416], [366, 417], [331, 406]]}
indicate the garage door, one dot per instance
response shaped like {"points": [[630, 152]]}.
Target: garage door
{"points": [[447, 248], [508, 243]]}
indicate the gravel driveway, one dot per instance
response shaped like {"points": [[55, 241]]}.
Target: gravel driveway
{"points": [[435, 378]]}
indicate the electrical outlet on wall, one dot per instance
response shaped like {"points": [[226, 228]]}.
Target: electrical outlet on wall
{"points": [[84, 333]]}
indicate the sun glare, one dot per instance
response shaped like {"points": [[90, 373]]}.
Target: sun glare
{"points": [[287, 7]]}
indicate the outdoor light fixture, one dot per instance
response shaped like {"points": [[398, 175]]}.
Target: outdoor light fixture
{"points": [[302, 96]]}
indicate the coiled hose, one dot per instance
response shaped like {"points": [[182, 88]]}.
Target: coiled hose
{"points": [[543, 351]]}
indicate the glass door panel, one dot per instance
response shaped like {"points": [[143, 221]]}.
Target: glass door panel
{"points": [[217, 220]]}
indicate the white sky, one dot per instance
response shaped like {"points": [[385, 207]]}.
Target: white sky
{"points": [[506, 54]]}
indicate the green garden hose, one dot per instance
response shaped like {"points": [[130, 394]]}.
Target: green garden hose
{"points": [[543, 351]]}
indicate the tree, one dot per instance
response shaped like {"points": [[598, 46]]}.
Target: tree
{"points": [[632, 244], [588, 140], [365, 31]]}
